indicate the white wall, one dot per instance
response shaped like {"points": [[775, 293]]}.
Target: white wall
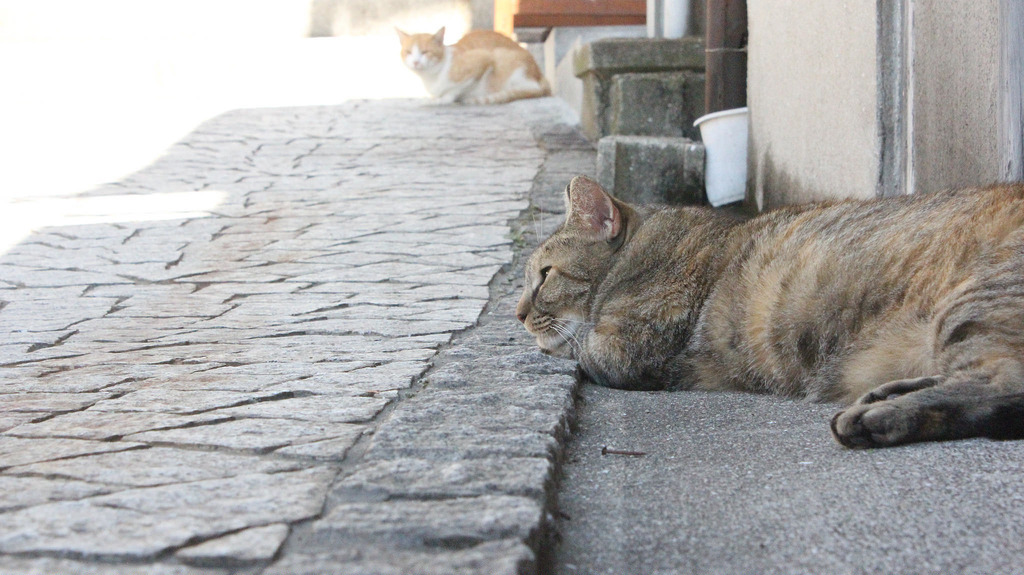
{"points": [[812, 97], [849, 102]]}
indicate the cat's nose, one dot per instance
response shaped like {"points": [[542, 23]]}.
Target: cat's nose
{"points": [[522, 309]]}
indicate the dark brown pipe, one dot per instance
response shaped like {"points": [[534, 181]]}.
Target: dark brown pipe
{"points": [[725, 55]]}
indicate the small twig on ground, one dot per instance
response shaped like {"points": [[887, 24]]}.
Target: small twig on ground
{"points": [[606, 451]]}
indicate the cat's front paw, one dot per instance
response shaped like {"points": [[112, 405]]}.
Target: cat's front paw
{"points": [[879, 424]]}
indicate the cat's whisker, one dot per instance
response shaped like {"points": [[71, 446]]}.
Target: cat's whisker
{"points": [[567, 333], [568, 338]]}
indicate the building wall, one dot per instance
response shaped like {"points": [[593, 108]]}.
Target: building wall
{"points": [[955, 84], [812, 96], [847, 101]]}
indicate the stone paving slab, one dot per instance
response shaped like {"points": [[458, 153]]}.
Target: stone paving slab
{"points": [[288, 346]]}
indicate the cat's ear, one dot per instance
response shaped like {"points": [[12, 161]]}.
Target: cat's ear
{"points": [[591, 208], [438, 36], [401, 35]]}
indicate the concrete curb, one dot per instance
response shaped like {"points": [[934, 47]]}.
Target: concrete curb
{"points": [[461, 476]]}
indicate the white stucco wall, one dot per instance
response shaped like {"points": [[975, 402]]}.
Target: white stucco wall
{"points": [[817, 114], [812, 98]]}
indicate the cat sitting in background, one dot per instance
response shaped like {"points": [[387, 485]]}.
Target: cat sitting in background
{"points": [[484, 67], [911, 309]]}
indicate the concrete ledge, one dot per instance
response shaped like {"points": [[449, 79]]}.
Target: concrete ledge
{"points": [[618, 55], [647, 169], [600, 63]]}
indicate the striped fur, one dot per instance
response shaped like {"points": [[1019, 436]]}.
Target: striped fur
{"points": [[910, 310]]}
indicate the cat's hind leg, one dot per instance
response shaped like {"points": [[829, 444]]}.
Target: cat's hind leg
{"points": [[977, 342], [507, 84]]}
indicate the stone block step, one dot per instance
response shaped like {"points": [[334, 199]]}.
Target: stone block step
{"points": [[652, 169], [656, 104], [627, 83]]}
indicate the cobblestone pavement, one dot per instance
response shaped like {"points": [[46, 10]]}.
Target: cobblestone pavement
{"points": [[223, 363]]}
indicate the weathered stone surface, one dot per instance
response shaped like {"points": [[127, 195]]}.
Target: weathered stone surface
{"points": [[249, 545], [12, 420], [505, 557], [423, 479], [48, 402], [84, 379], [17, 492], [617, 55], [467, 398], [598, 63], [664, 104], [214, 380], [22, 451], [325, 409], [104, 426], [648, 169], [156, 466], [254, 435], [141, 523], [327, 449], [433, 523], [375, 379], [176, 401], [47, 566]]}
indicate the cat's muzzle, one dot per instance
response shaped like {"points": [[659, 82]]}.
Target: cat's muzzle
{"points": [[558, 344]]}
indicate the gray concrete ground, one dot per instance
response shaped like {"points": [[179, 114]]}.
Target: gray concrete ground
{"points": [[222, 363], [744, 484]]}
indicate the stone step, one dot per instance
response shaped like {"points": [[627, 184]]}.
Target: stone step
{"points": [[655, 104], [652, 169], [641, 86]]}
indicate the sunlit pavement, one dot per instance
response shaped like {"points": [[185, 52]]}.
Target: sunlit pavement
{"points": [[217, 303], [77, 114]]}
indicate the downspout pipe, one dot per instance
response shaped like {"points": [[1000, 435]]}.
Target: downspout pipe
{"points": [[725, 53]]}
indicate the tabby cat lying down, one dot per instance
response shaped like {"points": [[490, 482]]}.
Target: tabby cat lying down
{"points": [[911, 308]]}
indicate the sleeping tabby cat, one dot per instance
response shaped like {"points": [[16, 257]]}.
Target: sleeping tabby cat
{"points": [[911, 309], [484, 67]]}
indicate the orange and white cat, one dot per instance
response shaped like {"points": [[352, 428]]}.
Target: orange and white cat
{"points": [[484, 67]]}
